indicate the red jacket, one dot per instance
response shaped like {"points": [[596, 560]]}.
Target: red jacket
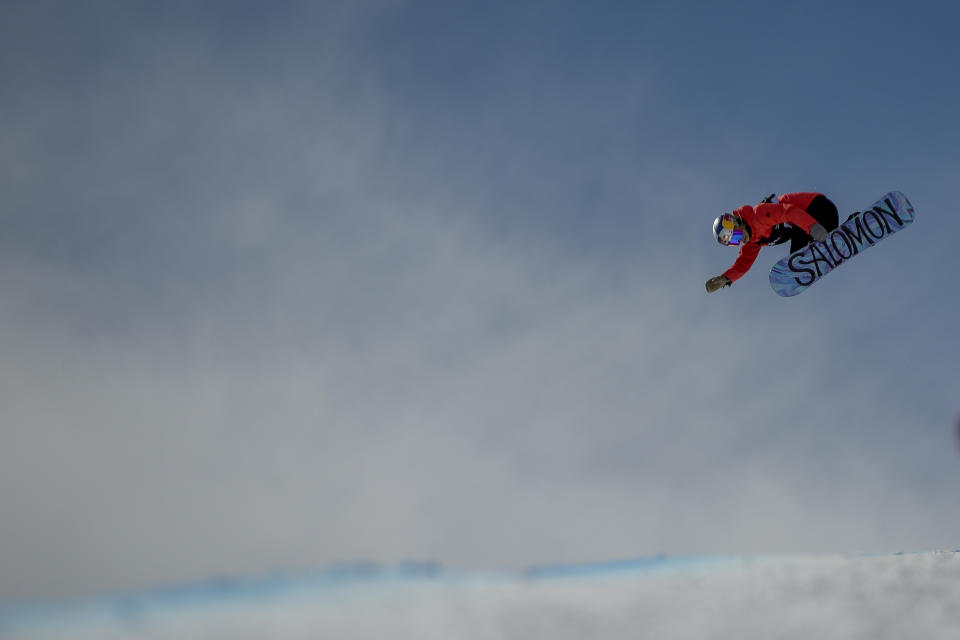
{"points": [[762, 218]]}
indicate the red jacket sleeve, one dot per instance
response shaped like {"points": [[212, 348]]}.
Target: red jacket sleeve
{"points": [[794, 215], [748, 254]]}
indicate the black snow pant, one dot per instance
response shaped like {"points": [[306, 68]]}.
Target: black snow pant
{"points": [[823, 211]]}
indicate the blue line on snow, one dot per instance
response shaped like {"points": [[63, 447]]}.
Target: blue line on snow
{"points": [[132, 607]]}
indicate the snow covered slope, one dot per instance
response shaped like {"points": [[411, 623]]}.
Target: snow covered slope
{"points": [[853, 596]]}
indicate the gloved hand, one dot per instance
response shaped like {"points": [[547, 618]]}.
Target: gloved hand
{"points": [[818, 232], [718, 282]]}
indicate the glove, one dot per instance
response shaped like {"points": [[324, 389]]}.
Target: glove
{"points": [[818, 232], [719, 282]]}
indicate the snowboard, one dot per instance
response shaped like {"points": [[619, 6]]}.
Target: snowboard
{"points": [[863, 229]]}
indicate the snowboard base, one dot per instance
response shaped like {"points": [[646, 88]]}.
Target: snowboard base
{"points": [[795, 273]]}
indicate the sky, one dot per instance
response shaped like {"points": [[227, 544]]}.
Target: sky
{"points": [[290, 284]]}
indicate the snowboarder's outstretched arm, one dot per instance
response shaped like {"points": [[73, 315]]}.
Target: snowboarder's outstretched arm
{"points": [[745, 259]]}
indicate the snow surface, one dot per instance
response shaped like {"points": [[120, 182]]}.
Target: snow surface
{"points": [[851, 596]]}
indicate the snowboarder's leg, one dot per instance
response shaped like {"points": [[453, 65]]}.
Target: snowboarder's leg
{"points": [[823, 211]]}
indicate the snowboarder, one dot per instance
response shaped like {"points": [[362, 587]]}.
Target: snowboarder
{"points": [[797, 217]]}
